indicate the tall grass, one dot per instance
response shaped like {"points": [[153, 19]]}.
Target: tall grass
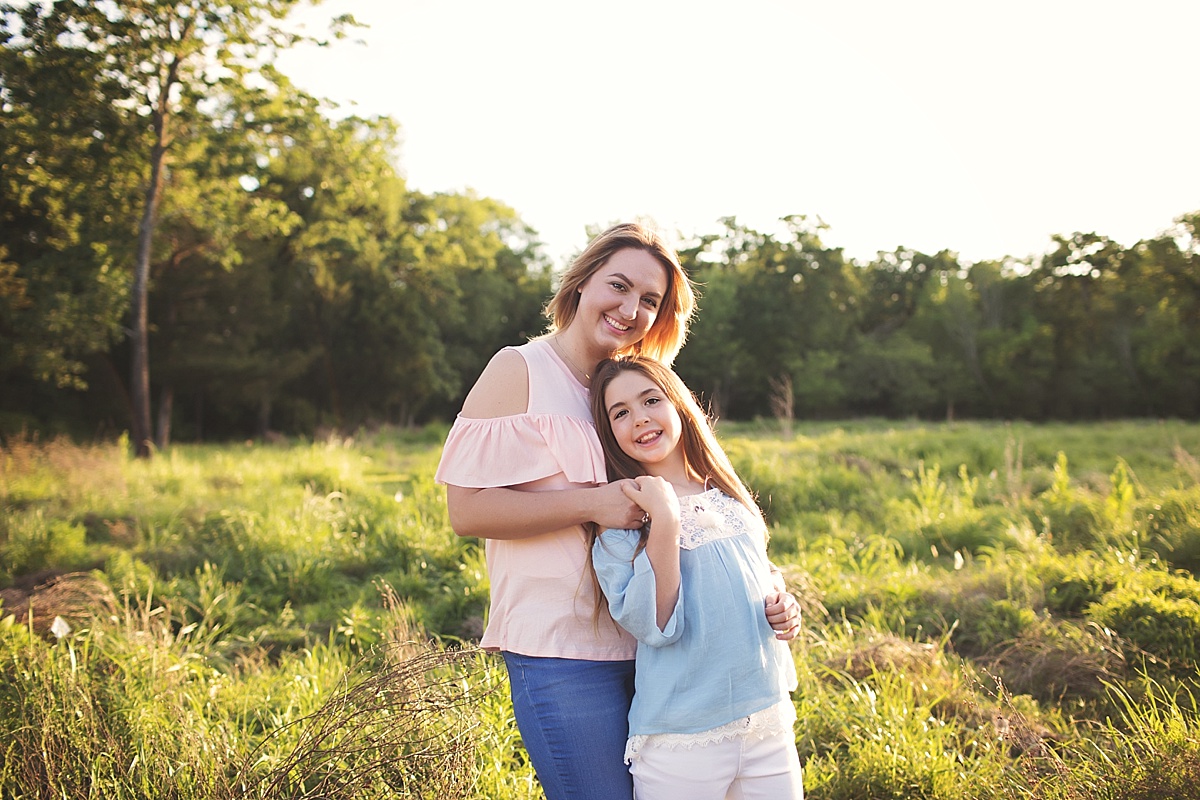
{"points": [[991, 611]]}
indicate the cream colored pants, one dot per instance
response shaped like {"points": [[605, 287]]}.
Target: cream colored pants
{"points": [[735, 769]]}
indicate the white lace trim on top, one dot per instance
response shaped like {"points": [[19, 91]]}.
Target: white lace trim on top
{"points": [[771, 721], [713, 515]]}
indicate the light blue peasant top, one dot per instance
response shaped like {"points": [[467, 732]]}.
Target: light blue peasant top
{"points": [[717, 659]]}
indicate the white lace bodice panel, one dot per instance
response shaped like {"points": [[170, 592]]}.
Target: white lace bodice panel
{"points": [[712, 515]]}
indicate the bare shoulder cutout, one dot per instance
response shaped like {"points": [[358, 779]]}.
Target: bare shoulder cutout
{"points": [[502, 389]]}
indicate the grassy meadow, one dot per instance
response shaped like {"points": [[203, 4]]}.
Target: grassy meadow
{"points": [[991, 611]]}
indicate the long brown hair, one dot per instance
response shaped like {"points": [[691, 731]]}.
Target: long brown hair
{"points": [[703, 457], [666, 336]]}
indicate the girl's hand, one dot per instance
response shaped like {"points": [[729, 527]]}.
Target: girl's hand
{"points": [[656, 497], [615, 509]]}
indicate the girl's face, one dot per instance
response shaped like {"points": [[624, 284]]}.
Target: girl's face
{"points": [[644, 422], [620, 301]]}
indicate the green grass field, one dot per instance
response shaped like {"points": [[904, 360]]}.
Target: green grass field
{"points": [[991, 611]]}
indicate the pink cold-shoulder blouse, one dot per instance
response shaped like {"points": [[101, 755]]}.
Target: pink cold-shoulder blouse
{"points": [[542, 598]]}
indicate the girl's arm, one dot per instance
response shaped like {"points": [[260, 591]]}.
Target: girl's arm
{"points": [[630, 589], [503, 513], [658, 498]]}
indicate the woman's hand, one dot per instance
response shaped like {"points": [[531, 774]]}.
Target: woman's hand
{"points": [[783, 612], [615, 509]]}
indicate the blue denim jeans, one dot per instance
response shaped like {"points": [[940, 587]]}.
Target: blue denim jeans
{"points": [[574, 719]]}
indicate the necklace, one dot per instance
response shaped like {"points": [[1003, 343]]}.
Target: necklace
{"points": [[562, 353]]}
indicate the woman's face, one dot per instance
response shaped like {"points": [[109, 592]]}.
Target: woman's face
{"points": [[621, 300]]}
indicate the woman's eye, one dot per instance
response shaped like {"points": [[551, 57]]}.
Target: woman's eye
{"points": [[620, 287], [650, 302]]}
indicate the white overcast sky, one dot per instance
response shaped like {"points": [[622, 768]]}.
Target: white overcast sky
{"points": [[979, 127]]}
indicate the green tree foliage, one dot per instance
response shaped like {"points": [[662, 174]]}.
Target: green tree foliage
{"points": [[775, 309], [67, 184], [292, 281], [165, 68]]}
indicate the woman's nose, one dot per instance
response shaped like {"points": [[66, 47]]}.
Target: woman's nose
{"points": [[629, 308]]}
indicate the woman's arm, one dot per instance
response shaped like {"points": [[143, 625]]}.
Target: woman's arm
{"points": [[502, 513]]}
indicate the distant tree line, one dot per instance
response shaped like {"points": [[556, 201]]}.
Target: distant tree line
{"points": [[1089, 330], [293, 282]]}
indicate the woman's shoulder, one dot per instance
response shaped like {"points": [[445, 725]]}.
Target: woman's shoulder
{"points": [[502, 389]]}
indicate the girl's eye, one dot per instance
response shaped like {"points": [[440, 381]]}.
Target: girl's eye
{"points": [[651, 401], [620, 287], [650, 302], [618, 415]]}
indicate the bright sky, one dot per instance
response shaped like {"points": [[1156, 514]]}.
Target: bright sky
{"points": [[982, 128]]}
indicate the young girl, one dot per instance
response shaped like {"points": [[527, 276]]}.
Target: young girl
{"points": [[711, 716]]}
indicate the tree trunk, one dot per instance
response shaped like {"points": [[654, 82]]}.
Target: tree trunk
{"points": [[139, 382], [335, 396], [139, 379], [264, 417], [166, 405]]}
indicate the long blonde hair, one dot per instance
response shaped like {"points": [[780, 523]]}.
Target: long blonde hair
{"points": [[669, 331], [703, 457]]}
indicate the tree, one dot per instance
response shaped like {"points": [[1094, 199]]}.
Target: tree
{"points": [[169, 58], [67, 187], [947, 320], [1078, 297], [774, 309], [217, 311]]}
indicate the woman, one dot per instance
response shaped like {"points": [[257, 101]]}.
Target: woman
{"points": [[524, 470]]}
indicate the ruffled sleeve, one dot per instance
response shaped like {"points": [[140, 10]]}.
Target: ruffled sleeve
{"points": [[629, 586], [507, 451]]}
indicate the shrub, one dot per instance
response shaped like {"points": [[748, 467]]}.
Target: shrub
{"points": [[1172, 526], [1072, 518], [1167, 628]]}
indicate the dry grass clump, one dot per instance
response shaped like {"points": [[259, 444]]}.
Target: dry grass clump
{"points": [[406, 727], [74, 597], [802, 586], [1056, 660], [1031, 742], [887, 652], [1186, 462]]}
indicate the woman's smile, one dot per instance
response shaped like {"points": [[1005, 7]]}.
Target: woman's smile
{"points": [[619, 326], [620, 301]]}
